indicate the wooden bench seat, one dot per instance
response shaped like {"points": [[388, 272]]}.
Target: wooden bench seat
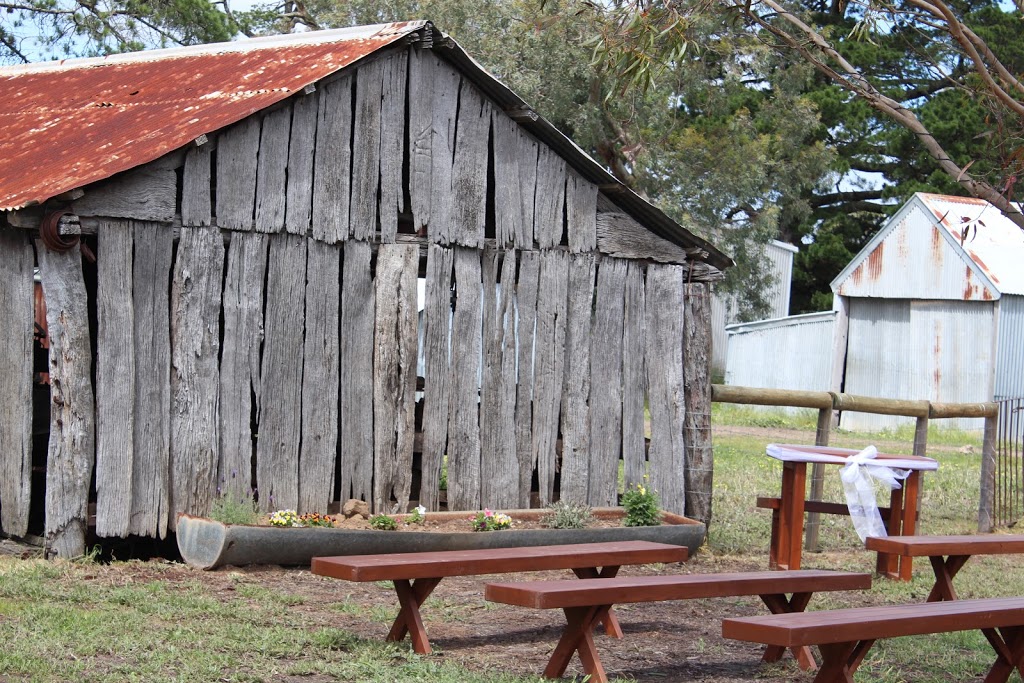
{"points": [[844, 636], [416, 575], [585, 602]]}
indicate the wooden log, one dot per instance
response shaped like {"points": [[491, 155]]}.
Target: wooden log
{"points": [[272, 170], [529, 150], [357, 303], [508, 211], [301, 145], [237, 157], [196, 209], [437, 376], [880, 406], [938, 411], [422, 66], [549, 349], [115, 379], [722, 393], [332, 162], [366, 141], [240, 360], [71, 452], [527, 290], [664, 318], [620, 235], [634, 377], [499, 467], [463, 419], [469, 172], [576, 396], [17, 316], [392, 144], [580, 212], [320, 370], [606, 373], [394, 375], [697, 399], [195, 351], [280, 414], [549, 205], [147, 193], [151, 444]]}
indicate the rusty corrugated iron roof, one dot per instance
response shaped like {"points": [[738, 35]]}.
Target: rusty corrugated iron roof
{"points": [[69, 123]]}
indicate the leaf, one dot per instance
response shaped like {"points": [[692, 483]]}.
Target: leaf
{"points": [[964, 170]]}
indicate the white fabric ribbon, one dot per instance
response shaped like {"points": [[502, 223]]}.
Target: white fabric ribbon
{"points": [[860, 478]]}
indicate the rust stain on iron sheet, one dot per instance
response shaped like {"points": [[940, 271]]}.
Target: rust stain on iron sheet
{"points": [[71, 124], [875, 261]]}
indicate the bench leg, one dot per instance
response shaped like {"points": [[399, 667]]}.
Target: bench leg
{"points": [[840, 660], [789, 542], [778, 604], [611, 624], [578, 636], [1009, 646], [945, 570], [410, 596]]}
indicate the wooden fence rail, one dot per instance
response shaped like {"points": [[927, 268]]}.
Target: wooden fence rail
{"points": [[828, 403]]}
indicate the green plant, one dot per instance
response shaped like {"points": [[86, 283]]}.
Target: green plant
{"points": [[564, 514], [488, 520], [418, 515], [315, 519], [383, 522], [285, 518], [641, 504], [231, 509]]}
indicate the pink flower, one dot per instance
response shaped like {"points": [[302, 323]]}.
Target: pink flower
{"points": [[488, 512]]}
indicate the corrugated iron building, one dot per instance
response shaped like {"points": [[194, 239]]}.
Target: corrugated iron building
{"points": [[932, 308]]}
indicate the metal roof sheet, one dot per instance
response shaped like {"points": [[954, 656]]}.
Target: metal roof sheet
{"points": [[73, 122]]}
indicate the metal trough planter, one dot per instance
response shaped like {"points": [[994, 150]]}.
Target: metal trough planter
{"points": [[207, 544]]}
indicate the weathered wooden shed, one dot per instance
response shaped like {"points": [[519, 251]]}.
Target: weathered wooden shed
{"points": [[231, 240]]}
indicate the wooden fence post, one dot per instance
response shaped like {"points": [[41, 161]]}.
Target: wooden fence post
{"points": [[821, 438], [988, 474], [699, 453]]}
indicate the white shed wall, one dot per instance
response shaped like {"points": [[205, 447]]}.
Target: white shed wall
{"points": [[1009, 381], [919, 350]]}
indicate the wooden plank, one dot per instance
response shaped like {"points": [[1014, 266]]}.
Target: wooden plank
{"points": [[442, 152], [237, 157], [499, 467], [634, 380], [366, 139], [549, 205], [527, 289], [332, 162], [606, 373], [508, 211], [576, 397], [196, 209], [392, 144], [529, 149], [147, 193], [17, 315], [436, 330], [394, 374], [469, 173], [356, 373], [280, 414], [301, 144], [320, 371], [697, 400], [240, 360], [580, 212], [71, 452], [664, 316], [463, 421], [272, 170], [620, 235], [152, 452], [549, 347], [422, 66], [115, 379], [195, 352]]}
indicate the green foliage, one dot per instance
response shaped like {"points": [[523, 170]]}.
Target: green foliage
{"points": [[231, 508], [315, 519], [418, 515], [565, 514], [641, 504], [285, 518], [383, 522], [489, 520]]}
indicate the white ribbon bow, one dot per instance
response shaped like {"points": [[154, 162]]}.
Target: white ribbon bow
{"points": [[860, 478]]}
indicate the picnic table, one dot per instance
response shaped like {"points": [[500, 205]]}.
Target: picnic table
{"points": [[416, 575], [948, 554], [789, 508]]}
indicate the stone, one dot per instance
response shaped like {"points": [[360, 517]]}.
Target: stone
{"points": [[353, 507]]}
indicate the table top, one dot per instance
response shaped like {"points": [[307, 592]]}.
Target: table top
{"points": [[838, 456], [933, 546], [392, 566]]}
